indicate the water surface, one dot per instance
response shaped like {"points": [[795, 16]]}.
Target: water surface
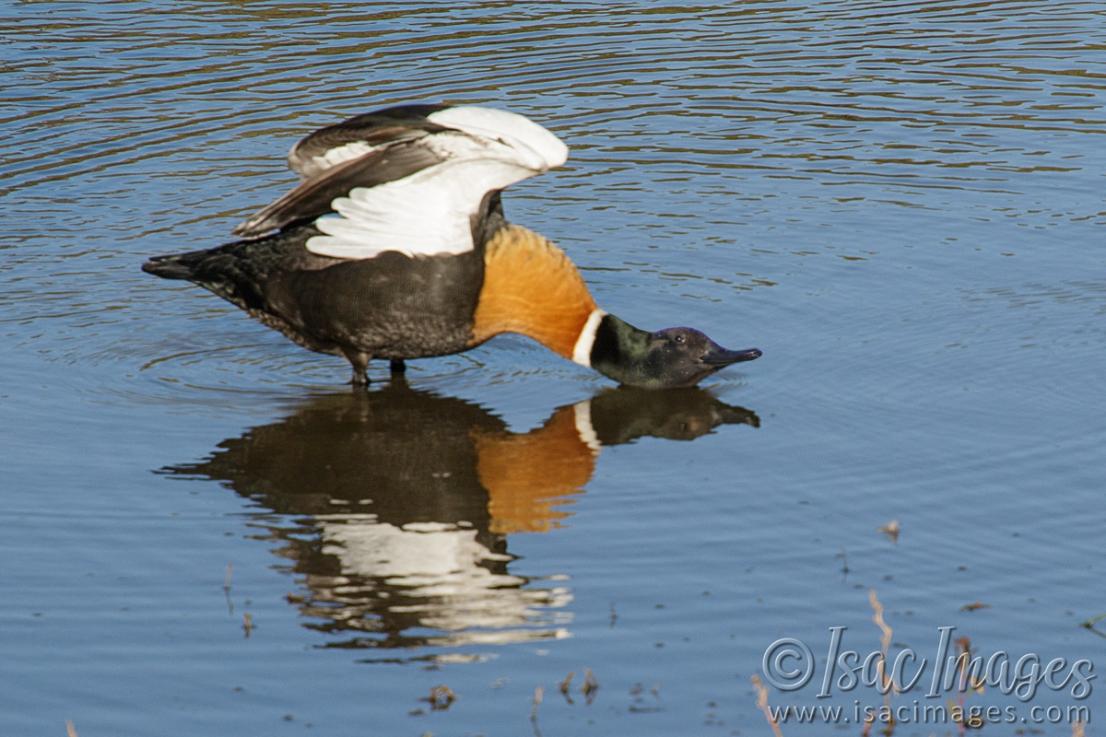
{"points": [[900, 203]]}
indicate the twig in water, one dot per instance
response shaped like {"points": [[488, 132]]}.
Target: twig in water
{"points": [[590, 687], [762, 704], [844, 563], [227, 576], [566, 685], [539, 694], [885, 680], [1090, 624]]}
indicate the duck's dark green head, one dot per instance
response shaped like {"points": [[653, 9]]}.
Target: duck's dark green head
{"points": [[672, 357]]}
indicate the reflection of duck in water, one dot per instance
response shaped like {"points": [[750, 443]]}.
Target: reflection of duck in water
{"points": [[404, 501]]}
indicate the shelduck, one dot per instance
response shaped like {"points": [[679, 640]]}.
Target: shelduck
{"points": [[395, 246]]}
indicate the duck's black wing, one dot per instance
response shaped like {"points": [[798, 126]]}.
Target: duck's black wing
{"points": [[336, 143], [314, 196]]}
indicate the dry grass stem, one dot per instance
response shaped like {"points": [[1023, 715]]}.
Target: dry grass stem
{"points": [[247, 623], [591, 685], [762, 704], [539, 695], [886, 634], [566, 685]]}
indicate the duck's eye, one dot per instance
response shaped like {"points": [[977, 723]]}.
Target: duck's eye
{"points": [[680, 339]]}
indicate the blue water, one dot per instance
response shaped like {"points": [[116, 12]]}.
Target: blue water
{"points": [[901, 204]]}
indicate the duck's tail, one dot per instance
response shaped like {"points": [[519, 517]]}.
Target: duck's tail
{"points": [[233, 271], [175, 266]]}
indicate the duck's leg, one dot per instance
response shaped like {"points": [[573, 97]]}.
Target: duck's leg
{"points": [[360, 363], [398, 366]]}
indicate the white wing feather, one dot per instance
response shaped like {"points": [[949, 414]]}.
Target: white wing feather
{"points": [[535, 146], [428, 213]]}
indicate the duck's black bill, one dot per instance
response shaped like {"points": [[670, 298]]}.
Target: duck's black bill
{"points": [[722, 357]]}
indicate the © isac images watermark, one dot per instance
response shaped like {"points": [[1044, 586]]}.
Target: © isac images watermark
{"points": [[789, 665]]}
